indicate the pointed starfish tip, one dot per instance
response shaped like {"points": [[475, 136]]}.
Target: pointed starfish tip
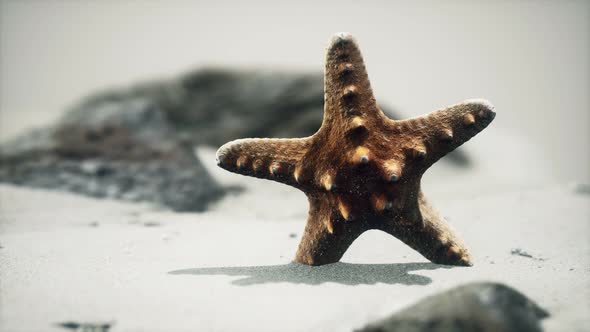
{"points": [[342, 41], [486, 109], [342, 36], [480, 101]]}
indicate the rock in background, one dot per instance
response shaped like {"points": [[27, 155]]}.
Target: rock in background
{"points": [[123, 151], [484, 307], [136, 144]]}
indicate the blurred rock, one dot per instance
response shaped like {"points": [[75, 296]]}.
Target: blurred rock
{"points": [[484, 307], [122, 151], [136, 143]]}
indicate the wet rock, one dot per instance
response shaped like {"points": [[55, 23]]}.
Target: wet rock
{"points": [[484, 307]]}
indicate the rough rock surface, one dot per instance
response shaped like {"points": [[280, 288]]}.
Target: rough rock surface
{"points": [[472, 307], [126, 151], [136, 143]]}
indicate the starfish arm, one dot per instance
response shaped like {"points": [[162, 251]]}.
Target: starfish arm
{"points": [[442, 131], [433, 238], [326, 236], [272, 159], [347, 89]]}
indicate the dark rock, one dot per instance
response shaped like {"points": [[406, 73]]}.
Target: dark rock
{"points": [[136, 143], [483, 307], [179, 185], [123, 151]]}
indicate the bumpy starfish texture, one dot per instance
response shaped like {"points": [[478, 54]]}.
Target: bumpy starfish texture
{"points": [[361, 170]]}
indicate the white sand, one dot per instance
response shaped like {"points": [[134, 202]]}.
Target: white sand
{"points": [[228, 269]]}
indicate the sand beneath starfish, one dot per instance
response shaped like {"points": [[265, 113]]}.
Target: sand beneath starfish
{"points": [[70, 258]]}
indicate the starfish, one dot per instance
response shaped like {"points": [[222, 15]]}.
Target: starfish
{"points": [[361, 170]]}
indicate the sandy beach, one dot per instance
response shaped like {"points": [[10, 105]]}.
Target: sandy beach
{"points": [[71, 258], [522, 204]]}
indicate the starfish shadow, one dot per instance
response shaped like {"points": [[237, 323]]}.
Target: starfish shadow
{"points": [[341, 273]]}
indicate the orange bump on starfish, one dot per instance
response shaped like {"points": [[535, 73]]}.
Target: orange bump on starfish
{"points": [[361, 170]]}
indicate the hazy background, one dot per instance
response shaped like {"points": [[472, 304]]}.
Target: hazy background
{"points": [[531, 59]]}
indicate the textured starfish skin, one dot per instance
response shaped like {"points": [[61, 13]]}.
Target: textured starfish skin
{"points": [[362, 170]]}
